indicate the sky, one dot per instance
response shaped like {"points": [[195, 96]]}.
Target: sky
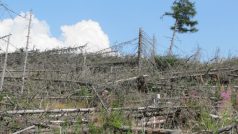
{"points": [[118, 21]]}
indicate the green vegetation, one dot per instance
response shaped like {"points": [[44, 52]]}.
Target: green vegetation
{"points": [[182, 12]]}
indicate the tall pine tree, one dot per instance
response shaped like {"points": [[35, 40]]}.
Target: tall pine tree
{"points": [[182, 11]]}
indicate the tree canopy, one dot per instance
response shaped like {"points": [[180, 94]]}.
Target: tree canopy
{"points": [[183, 11]]}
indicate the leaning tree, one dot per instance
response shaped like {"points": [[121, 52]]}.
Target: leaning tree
{"points": [[182, 11]]}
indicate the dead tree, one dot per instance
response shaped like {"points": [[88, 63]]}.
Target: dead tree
{"points": [[5, 61], [26, 55]]}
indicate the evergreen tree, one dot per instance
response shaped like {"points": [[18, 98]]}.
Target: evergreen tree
{"points": [[182, 11]]}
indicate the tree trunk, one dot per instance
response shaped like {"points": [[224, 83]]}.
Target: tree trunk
{"points": [[170, 52]]}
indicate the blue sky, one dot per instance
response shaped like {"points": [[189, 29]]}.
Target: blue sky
{"points": [[120, 20]]}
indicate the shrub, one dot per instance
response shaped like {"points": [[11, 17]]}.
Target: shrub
{"points": [[166, 62]]}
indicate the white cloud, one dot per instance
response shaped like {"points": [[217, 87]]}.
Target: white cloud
{"points": [[40, 33], [86, 31]]}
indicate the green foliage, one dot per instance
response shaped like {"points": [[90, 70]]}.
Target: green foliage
{"points": [[65, 126], [207, 122], [3, 94], [77, 127], [218, 92], [54, 131], [116, 103], [193, 103], [1, 97], [183, 11], [234, 98], [102, 124], [166, 62], [115, 119], [83, 91], [118, 100], [94, 129], [210, 124]]}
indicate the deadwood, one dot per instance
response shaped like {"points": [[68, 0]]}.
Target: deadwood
{"points": [[38, 111], [25, 129], [150, 130], [68, 86]]}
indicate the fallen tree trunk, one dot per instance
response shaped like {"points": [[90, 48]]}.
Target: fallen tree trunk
{"points": [[85, 110], [150, 130], [38, 111], [57, 98], [128, 79], [53, 80], [25, 129], [227, 128]]}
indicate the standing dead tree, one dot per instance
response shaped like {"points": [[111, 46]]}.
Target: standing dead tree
{"points": [[5, 61], [26, 54]]}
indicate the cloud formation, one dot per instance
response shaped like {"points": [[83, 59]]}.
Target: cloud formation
{"points": [[86, 31]]}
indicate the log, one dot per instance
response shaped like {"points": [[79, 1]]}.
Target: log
{"points": [[25, 129], [127, 79], [101, 100], [52, 80], [150, 130], [227, 128], [86, 110], [57, 98], [154, 122], [187, 74], [60, 121], [39, 111]]}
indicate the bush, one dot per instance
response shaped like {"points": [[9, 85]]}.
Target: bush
{"points": [[166, 62]]}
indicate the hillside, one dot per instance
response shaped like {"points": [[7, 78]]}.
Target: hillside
{"points": [[68, 91]]}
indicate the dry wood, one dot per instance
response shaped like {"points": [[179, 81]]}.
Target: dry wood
{"points": [[150, 130], [26, 54], [128, 79], [25, 129], [101, 100], [85, 110], [53, 80], [227, 128], [5, 63], [50, 111]]}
